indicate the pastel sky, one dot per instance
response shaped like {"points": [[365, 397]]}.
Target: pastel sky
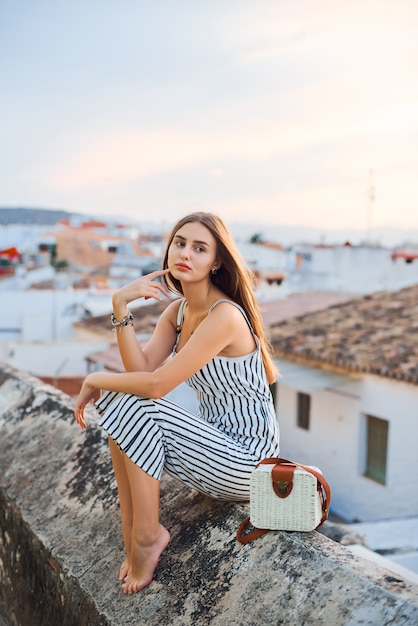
{"points": [[277, 111]]}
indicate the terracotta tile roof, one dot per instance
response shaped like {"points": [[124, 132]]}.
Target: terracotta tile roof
{"points": [[377, 333], [296, 304], [82, 246], [145, 318], [109, 359], [70, 385]]}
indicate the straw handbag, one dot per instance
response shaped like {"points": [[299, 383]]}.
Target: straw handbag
{"points": [[285, 496]]}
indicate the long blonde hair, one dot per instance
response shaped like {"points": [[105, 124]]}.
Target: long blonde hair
{"points": [[233, 278]]}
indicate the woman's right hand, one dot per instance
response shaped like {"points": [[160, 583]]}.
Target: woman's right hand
{"points": [[144, 287], [87, 393]]}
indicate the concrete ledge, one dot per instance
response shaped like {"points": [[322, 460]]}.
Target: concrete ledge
{"points": [[61, 544]]}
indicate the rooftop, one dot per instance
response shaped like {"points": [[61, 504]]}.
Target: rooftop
{"points": [[377, 333], [145, 318]]}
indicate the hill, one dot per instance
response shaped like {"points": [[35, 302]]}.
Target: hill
{"points": [[39, 217]]}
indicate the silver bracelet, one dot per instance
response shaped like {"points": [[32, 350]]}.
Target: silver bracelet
{"points": [[128, 319]]}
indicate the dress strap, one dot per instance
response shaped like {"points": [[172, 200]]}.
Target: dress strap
{"points": [[179, 322], [180, 315], [239, 307]]}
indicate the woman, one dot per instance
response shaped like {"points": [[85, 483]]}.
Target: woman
{"points": [[216, 337]]}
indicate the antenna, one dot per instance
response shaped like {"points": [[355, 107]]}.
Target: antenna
{"points": [[370, 202]]}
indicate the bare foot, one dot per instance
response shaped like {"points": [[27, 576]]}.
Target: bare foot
{"points": [[144, 561], [124, 570]]}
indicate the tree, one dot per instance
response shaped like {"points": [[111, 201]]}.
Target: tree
{"points": [[256, 238]]}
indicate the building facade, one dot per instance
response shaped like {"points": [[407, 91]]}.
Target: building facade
{"points": [[361, 431], [347, 401]]}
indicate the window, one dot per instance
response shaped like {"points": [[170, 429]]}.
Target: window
{"points": [[304, 410], [376, 448], [274, 388]]}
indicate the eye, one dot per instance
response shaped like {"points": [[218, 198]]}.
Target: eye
{"points": [[199, 249], [179, 243]]}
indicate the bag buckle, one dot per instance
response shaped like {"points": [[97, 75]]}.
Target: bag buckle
{"points": [[283, 487], [282, 478]]}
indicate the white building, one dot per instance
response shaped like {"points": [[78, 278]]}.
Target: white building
{"points": [[350, 269], [306, 267], [361, 431], [48, 314], [348, 401]]}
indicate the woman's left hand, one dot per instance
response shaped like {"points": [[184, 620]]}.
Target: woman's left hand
{"points": [[87, 393]]}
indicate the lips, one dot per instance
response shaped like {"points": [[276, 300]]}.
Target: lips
{"points": [[182, 267]]}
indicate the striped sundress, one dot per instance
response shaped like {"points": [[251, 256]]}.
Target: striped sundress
{"points": [[214, 451]]}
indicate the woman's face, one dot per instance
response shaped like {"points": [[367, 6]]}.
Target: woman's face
{"points": [[192, 253]]}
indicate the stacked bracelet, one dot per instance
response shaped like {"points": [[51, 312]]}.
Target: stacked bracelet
{"points": [[128, 319]]}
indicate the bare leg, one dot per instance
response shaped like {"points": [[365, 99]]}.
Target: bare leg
{"points": [[125, 502], [149, 538]]}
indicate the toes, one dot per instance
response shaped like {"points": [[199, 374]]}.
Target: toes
{"points": [[131, 587], [126, 589]]}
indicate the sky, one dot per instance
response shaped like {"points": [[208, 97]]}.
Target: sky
{"points": [[297, 112]]}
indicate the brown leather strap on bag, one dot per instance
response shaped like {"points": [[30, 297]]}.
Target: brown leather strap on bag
{"points": [[254, 534], [323, 488]]}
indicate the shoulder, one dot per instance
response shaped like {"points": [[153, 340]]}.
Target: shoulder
{"points": [[225, 302], [229, 321], [228, 311]]}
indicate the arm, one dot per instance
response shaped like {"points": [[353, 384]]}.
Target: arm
{"points": [[223, 327], [135, 358]]}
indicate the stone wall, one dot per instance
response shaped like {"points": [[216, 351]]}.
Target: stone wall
{"points": [[61, 544]]}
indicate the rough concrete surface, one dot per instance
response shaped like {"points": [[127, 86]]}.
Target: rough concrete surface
{"points": [[61, 544]]}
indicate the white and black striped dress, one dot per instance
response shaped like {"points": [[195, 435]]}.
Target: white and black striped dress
{"points": [[214, 451]]}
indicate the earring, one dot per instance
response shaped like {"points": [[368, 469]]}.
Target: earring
{"points": [[214, 270]]}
